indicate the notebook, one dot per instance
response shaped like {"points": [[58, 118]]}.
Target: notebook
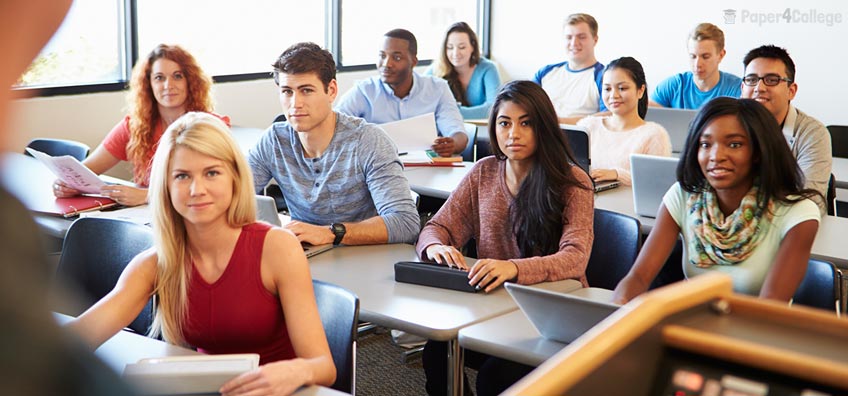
{"points": [[578, 140], [180, 375], [675, 121], [651, 176], [558, 316]]}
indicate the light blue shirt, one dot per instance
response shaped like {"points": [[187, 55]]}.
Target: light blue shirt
{"points": [[680, 92], [481, 91], [376, 102], [358, 176]]}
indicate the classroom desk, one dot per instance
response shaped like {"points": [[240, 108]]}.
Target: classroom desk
{"points": [[436, 181], [31, 183], [434, 313], [126, 347], [513, 337]]}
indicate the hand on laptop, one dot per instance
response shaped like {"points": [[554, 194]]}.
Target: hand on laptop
{"points": [[599, 175], [447, 255], [310, 233], [488, 274]]}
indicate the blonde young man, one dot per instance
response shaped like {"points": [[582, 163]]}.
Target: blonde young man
{"points": [[574, 86], [691, 89]]}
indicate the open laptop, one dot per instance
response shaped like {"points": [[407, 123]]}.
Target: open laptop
{"points": [[651, 176], [558, 316], [675, 121], [266, 210], [578, 140]]}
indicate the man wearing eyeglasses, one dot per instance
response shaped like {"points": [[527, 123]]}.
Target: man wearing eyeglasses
{"points": [[770, 79]]}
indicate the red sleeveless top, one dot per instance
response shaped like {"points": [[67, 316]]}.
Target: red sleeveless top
{"points": [[236, 314]]}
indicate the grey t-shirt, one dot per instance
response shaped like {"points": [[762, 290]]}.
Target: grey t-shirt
{"points": [[358, 176]]}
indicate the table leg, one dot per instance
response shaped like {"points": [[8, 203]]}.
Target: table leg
{"points": [[455, 365]]}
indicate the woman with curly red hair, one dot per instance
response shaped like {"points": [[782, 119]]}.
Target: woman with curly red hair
{"points": [[165, 84]]}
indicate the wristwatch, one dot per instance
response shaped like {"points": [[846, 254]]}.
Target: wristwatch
{"points": [[338, 230]]}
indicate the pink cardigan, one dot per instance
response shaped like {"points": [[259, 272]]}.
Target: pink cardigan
{"points": [[479, 209]]}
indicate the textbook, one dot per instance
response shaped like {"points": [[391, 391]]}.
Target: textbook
{"points": [[428, 158], [180, 375]]}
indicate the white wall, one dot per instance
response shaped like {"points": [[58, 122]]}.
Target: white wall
{"points": [[527, 34]]}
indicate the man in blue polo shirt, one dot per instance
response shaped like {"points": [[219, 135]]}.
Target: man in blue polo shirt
{"points": [[574, 86], [691, 89], [341, 176], [399, 93]]}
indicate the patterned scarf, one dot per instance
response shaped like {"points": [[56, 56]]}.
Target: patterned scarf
{"points": [[726, 241]]}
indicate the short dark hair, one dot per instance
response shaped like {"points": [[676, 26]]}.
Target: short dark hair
{"points": [[772, 52], [637, 74], [404, 34], [775, 170], [306, 58]]}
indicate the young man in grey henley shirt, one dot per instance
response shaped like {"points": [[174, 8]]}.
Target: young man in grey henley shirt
{"points": [[341, 176]]}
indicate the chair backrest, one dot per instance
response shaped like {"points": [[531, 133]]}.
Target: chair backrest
{"points": [[616, 246], [468, 153], [94, 255], [339, 310], [831, 196], [820, 287], [483, 145], [838, 140], [59, 147]]}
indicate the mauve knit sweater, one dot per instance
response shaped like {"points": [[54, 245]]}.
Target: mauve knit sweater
{"points": [[479, 209]]}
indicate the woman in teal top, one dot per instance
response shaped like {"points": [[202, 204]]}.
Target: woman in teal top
{"points": [[473, 80]]}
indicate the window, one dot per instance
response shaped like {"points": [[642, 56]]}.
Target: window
{"points": [[87, 49], [363, 23], [230, 37]]}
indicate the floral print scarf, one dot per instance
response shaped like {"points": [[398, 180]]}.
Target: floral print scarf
{"points": [[721, 240]]}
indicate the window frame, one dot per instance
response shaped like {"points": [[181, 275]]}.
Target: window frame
{"points": [[333, 37]]}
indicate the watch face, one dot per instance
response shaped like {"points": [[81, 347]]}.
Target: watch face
{"points": [[338, 228]]}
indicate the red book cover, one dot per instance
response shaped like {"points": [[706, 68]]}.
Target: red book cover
{"points": [[69, 207]]}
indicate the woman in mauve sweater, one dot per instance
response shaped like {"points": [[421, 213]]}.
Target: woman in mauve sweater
{"points": [[527, 207]]}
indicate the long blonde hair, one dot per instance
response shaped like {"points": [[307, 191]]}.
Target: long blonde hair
{"points": [[208, 135], [144, 110]]}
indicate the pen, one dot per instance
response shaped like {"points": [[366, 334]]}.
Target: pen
{"points": [[402, 153]]}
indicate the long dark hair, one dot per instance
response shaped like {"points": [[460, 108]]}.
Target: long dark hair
{"points": [[444, 69], [777, 174], [536, 212], [637, 74]]}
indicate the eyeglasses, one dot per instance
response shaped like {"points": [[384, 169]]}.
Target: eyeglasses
{"points": [[770, 80]]}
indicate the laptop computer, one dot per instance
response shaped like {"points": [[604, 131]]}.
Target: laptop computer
{"points": [[578, 140], [675, 121], [651, 176], [559, 316], [266, 210]]}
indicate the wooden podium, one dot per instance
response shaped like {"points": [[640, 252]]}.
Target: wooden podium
{"points": [[699, 338]]}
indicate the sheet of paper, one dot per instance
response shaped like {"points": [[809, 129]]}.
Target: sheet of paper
{"points": [[71, 171], [136, 214], [416, 133]]}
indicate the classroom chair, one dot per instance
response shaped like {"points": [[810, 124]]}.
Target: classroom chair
{"points": [[838, 140], [339, 310], [821, 287], [94, 255], [614, 250], [830, 199], [59, 147]]}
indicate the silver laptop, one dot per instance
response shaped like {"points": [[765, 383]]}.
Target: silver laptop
{"points": [[651, 176], [558, 316], [266, 210], [578, 140], [675, 121]]}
